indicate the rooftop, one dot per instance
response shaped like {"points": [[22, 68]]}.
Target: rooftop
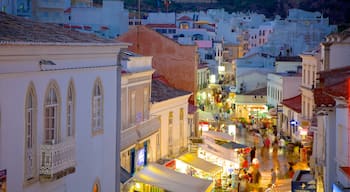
{"points": [[261, 91], [321, 99], [333, 83], [289, 58], [288, 74], [293, 103], [163, 92], [14, 30]]}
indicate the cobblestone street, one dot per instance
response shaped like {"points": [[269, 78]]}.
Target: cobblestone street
{"points": [[268, 159]]}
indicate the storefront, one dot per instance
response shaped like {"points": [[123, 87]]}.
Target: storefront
{"points": [[227, 155], [192, 165], [158, 178]]}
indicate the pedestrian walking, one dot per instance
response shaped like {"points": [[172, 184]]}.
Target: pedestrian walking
{"points": [[273, 177], [252, 153]]}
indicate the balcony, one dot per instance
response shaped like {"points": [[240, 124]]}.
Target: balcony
{"points": [[139, 132], [57, 160], [53, 4]]}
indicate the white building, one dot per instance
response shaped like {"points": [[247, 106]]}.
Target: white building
{"points": [[285, 64], [139, 129], [329, 171], [109, 20], [60, 112], [281, 86], [300, 31], [172, 106], [106, 18], [290, 118]]}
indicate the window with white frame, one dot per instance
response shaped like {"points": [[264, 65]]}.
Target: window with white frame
{"points": [[30, 130], [70, 110], [51, 111], [145, 103], [158, 146], [133, 108], [182, 127], [170, 133], [97, 107]]}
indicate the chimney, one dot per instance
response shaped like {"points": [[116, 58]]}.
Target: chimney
{"points": [[326, 55]]}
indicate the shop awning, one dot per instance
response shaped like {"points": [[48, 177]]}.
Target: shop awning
{"points": [[170, 180], [234, 145], [196, 162], [124, 175]]}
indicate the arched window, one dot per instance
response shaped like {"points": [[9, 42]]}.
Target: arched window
{"points": [[51, 114], [30, 134], [71, 110], [97, 107]]}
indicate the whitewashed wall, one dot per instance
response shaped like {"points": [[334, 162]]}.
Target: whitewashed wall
{"points": [[95, 155], [162, 109]]}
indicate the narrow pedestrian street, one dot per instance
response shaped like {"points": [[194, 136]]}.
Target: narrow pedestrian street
{"points": [[272, 159]]}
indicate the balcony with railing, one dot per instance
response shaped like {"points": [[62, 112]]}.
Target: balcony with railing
{"points": [[53, 4], [139, 132], [57, 160]]}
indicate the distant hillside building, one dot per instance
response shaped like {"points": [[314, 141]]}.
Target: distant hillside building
{"points": [[106, 18]]}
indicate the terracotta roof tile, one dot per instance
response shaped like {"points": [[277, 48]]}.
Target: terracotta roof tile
{"points": [[321, 99], [17, 29], [293, 103], [333, 83], [162, 92], [346, 171], [337, 90]]}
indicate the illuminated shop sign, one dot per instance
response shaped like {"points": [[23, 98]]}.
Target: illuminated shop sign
{"points": [[141, 157]]}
